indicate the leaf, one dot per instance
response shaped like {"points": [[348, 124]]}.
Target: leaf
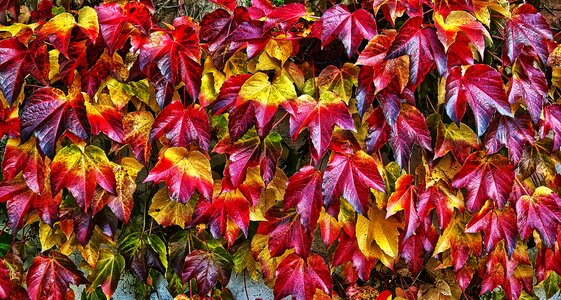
{"points": [[422, 47], [243, 260], [350, 28], [304, 193], [405, 198], [24, 158], [447, 29], [529, 86], [351, 176], [457, 139], [445, 7], [485, 177], [184, 172], [286, 233], [48, 113], [6, 285], [137, 126], [106, 119], [17, 61], [320, 117], [301, 278], [481, 87], [339, 81], [88, 23], [229, 94], [285, 16], [513, 133], [496, 225], [75, 166], [526, 27], [349, 251], [460, 243], [541, 161], [552, 121], [267, 96], [50, 277], [58, 31], [118, 23], [410, 128], [207, 268], [108, 270], [541, 212], [377, 236], [182, 126], [168, 212]]}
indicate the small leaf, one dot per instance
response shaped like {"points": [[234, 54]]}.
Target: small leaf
{"points": [[168, 212], [108, 270], [207, 268], [301, 278], [541, 212]]}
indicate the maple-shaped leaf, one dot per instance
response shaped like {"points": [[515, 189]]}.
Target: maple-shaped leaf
{"points": [[118, 23], [351, 176], [457, 139], [226, 215], [339, 81], [168, 212], [182, 126], [485, 177], [460, 243], [17, 61], [405, 198], [481, 87], [320, 117], [58, 31], [267, 96], [422, 46], [541, 212], [176, 54], [496, 225], [300, 278], [512, 133], [447, 29], [229, 92], [27, 159], [184, 172], [349, 251], [374, 55], [49, 277], [552, 121], [137, 125], [378, 237], [79, 169], [207, 268], [107, 119], [350, 28], [304, 193], [251, 151], [539, 160], [511, 273], [144, 253], [108, 270], [48, 113], [286, 232], [6, 284], [528, 85], [526, 27]]}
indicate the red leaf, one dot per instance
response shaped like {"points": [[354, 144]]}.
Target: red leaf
{"points": [[350, 28], [17, 61], [106, 119], [348, 250], [422, 47], [75, 60], [405, 198], [229, 94], [9, 121], [444, 7], [207, 268], [50, 277], [300, 278], [542, 212], [552, 121], [378, 131], [485, 177], [526, 27], [351, 177], [304, 193], [529, 86], [284, 16], [497, 225], [410, 128], [481, 87], [286, 233], [6, 285], [182, 126], [320, 117], [48, 113], [512, 133], [27, 159], [117, 24], [227, 4]]}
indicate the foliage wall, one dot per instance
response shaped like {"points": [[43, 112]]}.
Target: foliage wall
{"points": [[370, 149]]}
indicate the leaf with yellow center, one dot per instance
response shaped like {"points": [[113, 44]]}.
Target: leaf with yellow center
{"points": [[377, 233], [339, 81], [275, 55], [461, 22], [168, 212], [210, 83], [58, 31], [87, 21]]}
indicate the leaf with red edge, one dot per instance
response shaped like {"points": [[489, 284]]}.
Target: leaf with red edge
{"points": [[481, 87], [351, 176], [251, 33], [461, 22], [184, 172], [496, 225], [457, 139], [50, 277], [17, 61], [405, 198], [241, 119], [285, 233], [9, 121], [460, 244], [75, 60], [79, 169], [107, 119], [552, 121], [422, 46], [485, 177], [348, 250], [320, 117], [410, 128], [350, 28], [6, 285], [27, 159], [58, 31], [378, 131], [177, 55], [118, 23], [512, 274], [304, 193], [300, 278], [137, 125], [207, 268], [285, 16], [526, 27], [513, 133], [444, 7], [541, 212], [528, 85], [182, 126], [228, 4], [228, 96], [48, 113]]}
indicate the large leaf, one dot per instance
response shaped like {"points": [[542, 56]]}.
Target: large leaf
{"points": [[168, 212], [108, 270], [207, 268], [457, 139], [541, 212], [513, 133], [461, 22], [300, 278], [378, 237], [27, 159], [304, 193], [496, 225], [529, 86]]}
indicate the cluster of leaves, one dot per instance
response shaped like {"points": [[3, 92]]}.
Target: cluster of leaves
{"points": [[325, 148]]}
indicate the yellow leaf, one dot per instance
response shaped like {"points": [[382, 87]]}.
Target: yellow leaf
{"points": [[87, 19], [50, 236], [258, 88], [237, 64], [340, 82], [168, 212], [210, 83], [378, 232]]}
